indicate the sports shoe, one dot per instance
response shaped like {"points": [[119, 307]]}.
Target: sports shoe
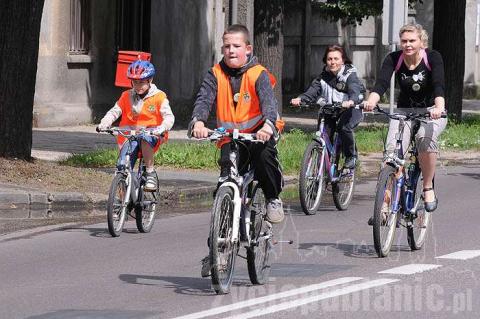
{"points": [[151, 182], [206, 267], [275, 212], [350, 162]]}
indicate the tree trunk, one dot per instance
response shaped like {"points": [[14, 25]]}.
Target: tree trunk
{"points": [[19, 37], [268, 44], [449, 40], [345, 41]]}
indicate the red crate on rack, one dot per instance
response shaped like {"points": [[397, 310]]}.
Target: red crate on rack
{"points": [[125, 58]]}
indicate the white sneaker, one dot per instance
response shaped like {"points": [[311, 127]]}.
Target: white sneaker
{"points": [[151, 182], [275, 212]]}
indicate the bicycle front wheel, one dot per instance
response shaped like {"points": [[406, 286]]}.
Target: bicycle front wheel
{"points": [[311, 178], [261, 234], [117, 205], [145, 211], [343, 188], [420, 219], [222, 250], [384, 219]]}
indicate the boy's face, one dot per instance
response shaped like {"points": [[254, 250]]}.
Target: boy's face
{"points": [[235, 50], [141, 86]]}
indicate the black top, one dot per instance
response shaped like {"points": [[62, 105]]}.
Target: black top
{"points": [[418, 87]]}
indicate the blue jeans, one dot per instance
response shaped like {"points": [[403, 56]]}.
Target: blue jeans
{"points": [[134, 149]]}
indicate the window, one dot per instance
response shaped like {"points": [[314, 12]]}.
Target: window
{"points": [[133, 25], [79, 27]]}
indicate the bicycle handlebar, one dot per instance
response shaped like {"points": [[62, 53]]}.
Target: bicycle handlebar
{"points": [[333, 106], [128, 132], [406, 116], [221, 133]]}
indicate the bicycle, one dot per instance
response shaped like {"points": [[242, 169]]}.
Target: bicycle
{"points": [[323, 160], [126, 191], [399, 192], [238, 219]]}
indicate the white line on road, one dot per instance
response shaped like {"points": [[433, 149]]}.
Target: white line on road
{"points": [[300, 302], [462, 254], [409, 269], [256, 301]]}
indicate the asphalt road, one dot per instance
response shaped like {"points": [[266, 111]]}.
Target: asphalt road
{"points": [[330, 271]]}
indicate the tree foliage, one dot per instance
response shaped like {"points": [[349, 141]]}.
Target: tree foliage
{"points": [[350, 12]]}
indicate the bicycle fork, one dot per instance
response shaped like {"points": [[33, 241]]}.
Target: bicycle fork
{"points": [[237, 201]]}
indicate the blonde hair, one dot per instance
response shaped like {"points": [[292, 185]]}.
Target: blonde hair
{"points": [[415, 27]]}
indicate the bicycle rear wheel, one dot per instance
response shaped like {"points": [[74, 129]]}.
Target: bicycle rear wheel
{"points": [[343, 188], [311, 178], [261, 234], [222, 250], [145, 211], [420, 219], [384, 220], [117, 205]]}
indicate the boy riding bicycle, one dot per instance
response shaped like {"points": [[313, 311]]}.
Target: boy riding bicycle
{"points": [[242, 92], [143, 106]]}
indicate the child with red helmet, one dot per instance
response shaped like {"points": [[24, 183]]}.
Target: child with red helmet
{"points": [[143, 106]]}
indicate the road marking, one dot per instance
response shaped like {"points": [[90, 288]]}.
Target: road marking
{"points": [[300, 302], [409, 269], [256, 301], [462, 254]]}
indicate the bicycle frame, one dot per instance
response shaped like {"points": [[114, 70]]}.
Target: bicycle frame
{"points": [[323, 139], [239, 185], [130, 180], [403, 194]]}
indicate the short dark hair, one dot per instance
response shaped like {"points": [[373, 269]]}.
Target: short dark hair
{"points": [[239, 28], [339, 48]]}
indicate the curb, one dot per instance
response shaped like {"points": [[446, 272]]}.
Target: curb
{"points": [[17, 197], [57, 201]]}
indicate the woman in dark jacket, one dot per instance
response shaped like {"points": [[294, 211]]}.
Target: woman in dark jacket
{"points": [[338, 83]]}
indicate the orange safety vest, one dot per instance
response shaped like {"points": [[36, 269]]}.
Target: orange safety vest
{"points": [[149, 116], [247, 115]]}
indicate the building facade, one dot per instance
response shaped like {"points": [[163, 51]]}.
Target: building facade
{"points": [[80, 40]]}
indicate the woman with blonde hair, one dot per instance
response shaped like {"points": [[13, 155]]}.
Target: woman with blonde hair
{"points": [[419, 74]]}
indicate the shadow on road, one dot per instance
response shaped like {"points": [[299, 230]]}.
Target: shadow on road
{"points": [[96, 314], [180, 285], [350, 250]]}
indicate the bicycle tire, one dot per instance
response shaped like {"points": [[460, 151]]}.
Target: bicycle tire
{"points": [[117, 205], [343, 189], [222, 251], [311, 178], [417, 231], [384, 221], [145, 211], [258, 253]]}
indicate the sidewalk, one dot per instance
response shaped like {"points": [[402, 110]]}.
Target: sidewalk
{"points": [[177, 186]]}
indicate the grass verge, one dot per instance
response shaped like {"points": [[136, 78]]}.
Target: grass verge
{"points": [[195, 155]]}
